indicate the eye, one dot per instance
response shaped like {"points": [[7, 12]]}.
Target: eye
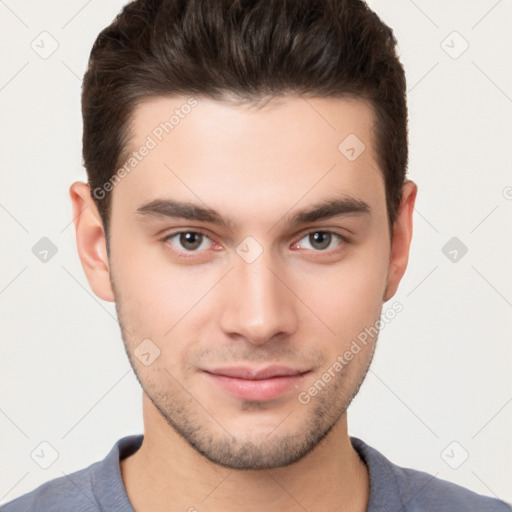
{"points": [[196, 241], [321, 240], [189, 241]]}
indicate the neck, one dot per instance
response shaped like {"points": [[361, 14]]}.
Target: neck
{"points": [[166, 473]]}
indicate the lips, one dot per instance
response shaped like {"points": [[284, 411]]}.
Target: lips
{"points": [[256, 384], [244, 372]]}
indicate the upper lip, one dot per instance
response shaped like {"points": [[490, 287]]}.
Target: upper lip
{"points": [[245, 372]]}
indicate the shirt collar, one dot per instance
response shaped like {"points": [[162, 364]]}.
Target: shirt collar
{"points": [[110, 491], [384, 491]]}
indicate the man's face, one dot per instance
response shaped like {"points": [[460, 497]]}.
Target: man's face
{"points": [[250, 289]]}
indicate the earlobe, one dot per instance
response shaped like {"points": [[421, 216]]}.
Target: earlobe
{"points": [[90, 240], [401, 240]]}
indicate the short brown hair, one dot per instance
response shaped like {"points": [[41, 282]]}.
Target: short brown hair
{"points": [[248, 49]]}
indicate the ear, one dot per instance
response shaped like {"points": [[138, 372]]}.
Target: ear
{"points": [[401, 240], [90, 240]]}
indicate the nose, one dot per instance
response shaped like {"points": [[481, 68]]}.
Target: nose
{"points": [[258, 306]]}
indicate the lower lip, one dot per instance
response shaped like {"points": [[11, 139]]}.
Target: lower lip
{"points": [[257, 390]]}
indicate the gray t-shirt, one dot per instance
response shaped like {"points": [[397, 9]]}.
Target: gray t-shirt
{"points": [[100, 487]]}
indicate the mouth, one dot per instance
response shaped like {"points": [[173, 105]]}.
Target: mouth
{"points": [[256, 384]]}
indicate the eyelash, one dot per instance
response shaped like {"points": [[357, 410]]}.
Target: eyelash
{"points": [[190, 254]]}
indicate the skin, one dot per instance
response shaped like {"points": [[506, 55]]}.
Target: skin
{"points": [[297, 304]]}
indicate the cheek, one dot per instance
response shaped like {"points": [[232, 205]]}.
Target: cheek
{"points": [[347, 296], [160, 301], [148, 282]]}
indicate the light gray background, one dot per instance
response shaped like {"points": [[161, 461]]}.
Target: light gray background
{"points": [[441, 373]]}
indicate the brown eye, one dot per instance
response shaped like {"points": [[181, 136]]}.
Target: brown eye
{"points": [[189, 241], [321, 242]]}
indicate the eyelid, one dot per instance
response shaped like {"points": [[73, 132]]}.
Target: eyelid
{"points": [[332, 231]]}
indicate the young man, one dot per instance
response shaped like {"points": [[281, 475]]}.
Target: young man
{"points": [[247, 210]]}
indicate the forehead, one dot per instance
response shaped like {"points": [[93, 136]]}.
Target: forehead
{"points": [[293, 149]]}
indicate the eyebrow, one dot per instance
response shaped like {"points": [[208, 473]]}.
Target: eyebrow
{"points": [[339, 206]]}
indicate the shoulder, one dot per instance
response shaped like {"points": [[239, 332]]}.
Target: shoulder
{"points": [[409, 490], [423, 491], [96, 487], [69, 492]]}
